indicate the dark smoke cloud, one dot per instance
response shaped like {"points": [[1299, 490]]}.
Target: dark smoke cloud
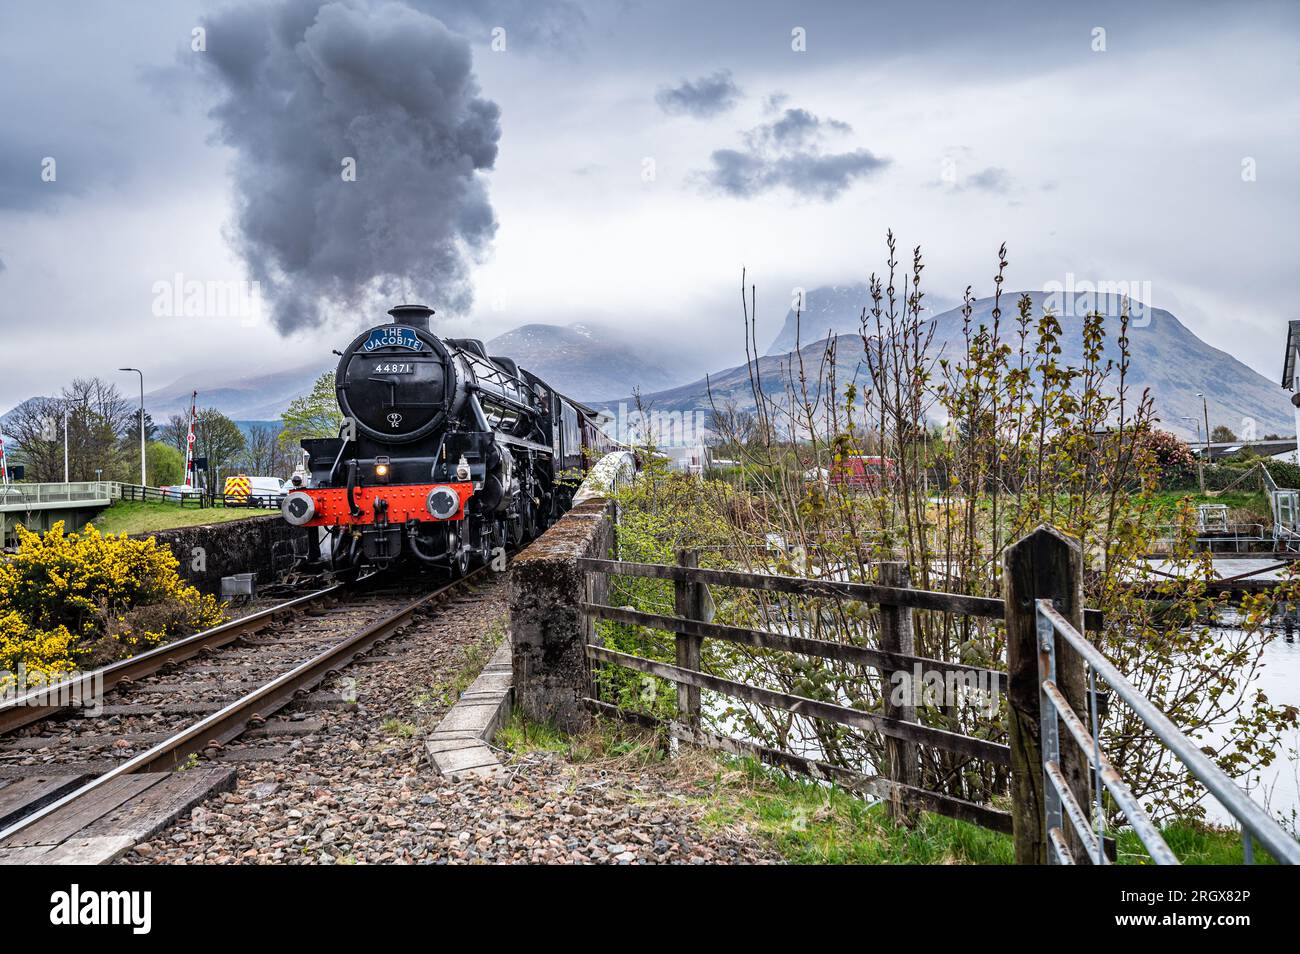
{"points": [[305, 85]]}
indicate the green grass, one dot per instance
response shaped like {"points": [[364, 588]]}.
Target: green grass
{"points": [[403, 730], [1193, 843], [809, 823], [816, 824], [605, 740], [144, 517]]}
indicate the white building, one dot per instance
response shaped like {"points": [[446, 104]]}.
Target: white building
{"points": [[1289, 377]]}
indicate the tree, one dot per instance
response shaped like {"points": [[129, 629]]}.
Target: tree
{"points": [[175, 431], [97, 419], [36, 426], [166, 464], [132, 429], [313, 415], [1222, 434], [265, 455]]}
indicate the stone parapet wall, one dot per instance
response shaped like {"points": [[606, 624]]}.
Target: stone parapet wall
{"points": [[547, 630]]}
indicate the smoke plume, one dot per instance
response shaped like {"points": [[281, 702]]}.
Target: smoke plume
{"points": [[312, 92]]}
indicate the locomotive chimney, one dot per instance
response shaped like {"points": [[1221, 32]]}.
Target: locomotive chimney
{"points": [[416, 316]]}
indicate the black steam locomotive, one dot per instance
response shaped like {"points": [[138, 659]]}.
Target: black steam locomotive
{"points": [[447, 454]]}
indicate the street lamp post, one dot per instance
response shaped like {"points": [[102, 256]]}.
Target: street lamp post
{"points": [[1200, 461], [1205, 409], [65, 445], [143, 482]]}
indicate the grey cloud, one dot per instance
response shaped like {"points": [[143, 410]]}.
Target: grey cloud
{"points": [[541, 25], [992, 179], [3, 266], [796, 127], [707, 96], [774, 102], [306, 84], [745, 175], [83, 163], [786, 153]]}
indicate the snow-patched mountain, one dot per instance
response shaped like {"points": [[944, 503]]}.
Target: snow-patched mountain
{"points": [[834, 310], [1166, 357], [583, 361], [260, 396]]}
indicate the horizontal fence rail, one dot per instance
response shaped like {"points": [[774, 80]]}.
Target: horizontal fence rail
{"points": [[813, 708], [980, 606], [762, 639], [904, 736], [1254, 821]]}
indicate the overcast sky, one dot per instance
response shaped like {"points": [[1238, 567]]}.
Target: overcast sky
{"points": [[538, 160]]}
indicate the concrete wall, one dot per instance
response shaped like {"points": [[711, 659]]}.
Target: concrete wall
{"points": [[548, 634], [263, 545]]}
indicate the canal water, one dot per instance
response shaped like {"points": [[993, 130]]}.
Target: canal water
{"points": [[1278, 785]]}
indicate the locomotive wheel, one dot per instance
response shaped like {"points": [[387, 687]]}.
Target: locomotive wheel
{"points": [[457, 553], [460, 563]]}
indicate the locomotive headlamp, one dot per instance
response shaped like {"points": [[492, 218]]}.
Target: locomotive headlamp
{"points": [[443, 502], [298, 508], [381, 469]]}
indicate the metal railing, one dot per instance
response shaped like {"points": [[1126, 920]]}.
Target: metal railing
{"points": [[19, 495], [1061, 802]]}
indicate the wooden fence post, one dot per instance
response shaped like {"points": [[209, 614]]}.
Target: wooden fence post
{"points": [[1044, 564], [688, 604], [902, 759]]}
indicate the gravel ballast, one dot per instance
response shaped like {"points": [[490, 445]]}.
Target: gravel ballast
{"points": [[357, 786]]}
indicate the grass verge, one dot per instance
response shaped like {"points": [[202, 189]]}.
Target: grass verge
{"points": [[144, 517]]}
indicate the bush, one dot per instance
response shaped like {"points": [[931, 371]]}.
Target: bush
{"points": [[88, 598], [1284, 473], [1173, 459]]}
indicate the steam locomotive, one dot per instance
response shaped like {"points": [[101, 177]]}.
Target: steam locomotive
{"points": [[447, 454]]}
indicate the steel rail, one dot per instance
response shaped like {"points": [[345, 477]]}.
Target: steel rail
{"points": [[47, 701], [230, 722], [1253, 818]]}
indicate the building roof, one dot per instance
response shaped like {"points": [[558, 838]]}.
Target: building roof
{"points": [[1292, 344]]}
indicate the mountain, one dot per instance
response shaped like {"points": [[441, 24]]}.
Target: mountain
{"points": [[833, 309], [1165, 357], [254, 397], [582, 361]]}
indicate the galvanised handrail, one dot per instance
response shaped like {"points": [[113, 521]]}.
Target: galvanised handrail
{"points": [[17, 495], [1061, 801]]}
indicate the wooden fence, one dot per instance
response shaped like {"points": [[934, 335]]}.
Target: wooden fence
{"points": [[1043, 565]]}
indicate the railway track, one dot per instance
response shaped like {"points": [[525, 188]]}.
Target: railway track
{"points": [[68, 771]]}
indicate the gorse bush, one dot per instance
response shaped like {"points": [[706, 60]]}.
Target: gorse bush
{"points": [[76, 599]]}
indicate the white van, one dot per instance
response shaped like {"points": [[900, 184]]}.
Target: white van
{"points": [[246, 491]]}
